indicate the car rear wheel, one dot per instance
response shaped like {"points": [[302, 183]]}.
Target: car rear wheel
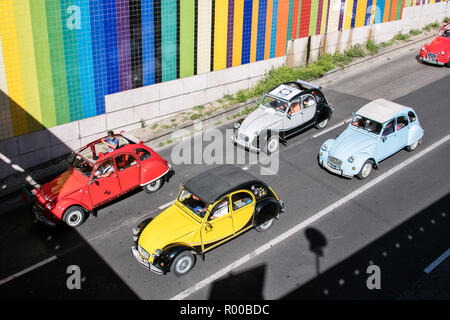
{"points": [[365, 171], [413, 146], [153, 186], [321, 125], [265, 226], [183, 263], [74, 216]]}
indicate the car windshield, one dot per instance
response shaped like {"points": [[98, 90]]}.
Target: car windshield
{"points": [[444, 33], [366, 124], [82, 165], [274, 104], [192, 202]]}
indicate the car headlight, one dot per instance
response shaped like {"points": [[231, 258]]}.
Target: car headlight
{"points": [[136, 231], [351, 159], [237, 125], [423, 48], [50, 206], [325, 147]]}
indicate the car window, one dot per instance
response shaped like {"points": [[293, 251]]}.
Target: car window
{"points": [[125, 161], [105, 169], [318, 96], [274, 103], [295, 107], [192, 202], [402, 122], [240, 200], [259, 191], [143, 154], [308, 101], [366, 124], [220, 209], [412, 116], [389, 129]]}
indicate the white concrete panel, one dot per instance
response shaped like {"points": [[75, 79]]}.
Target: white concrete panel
{"points": [[118, 119], [92, 125]]}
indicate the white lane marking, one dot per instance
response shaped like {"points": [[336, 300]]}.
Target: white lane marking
{"points": [[332, 128], [436, 262], [24, 271], [245, 259], [168, 204]]}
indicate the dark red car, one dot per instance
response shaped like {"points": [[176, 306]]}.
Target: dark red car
{"points": [[95, 177], [438, 51]]}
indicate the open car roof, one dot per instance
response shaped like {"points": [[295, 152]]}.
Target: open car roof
{"points": [[215, 183]]}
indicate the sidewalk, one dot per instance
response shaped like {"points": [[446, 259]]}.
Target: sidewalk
{"points": [[42, 173]]}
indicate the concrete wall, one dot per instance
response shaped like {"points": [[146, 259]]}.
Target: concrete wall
{"points": [[126, 109]]}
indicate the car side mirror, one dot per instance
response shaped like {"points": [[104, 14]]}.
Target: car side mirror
{"points": [[383, 138], [93, 180]]}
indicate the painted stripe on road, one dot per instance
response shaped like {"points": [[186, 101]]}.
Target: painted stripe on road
{"points": [[24, 271], [436, 262], [332, 128], [245, 259], [168, 204]]}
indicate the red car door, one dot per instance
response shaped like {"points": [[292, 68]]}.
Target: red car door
{"points": [[128, 170], [104, 185]]}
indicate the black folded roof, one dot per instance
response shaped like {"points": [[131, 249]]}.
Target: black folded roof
{"points": [[211, 185]]}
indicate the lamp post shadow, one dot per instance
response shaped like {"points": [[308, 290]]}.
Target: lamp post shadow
{"points": [[317, 242]]}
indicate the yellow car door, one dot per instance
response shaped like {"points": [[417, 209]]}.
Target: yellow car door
{"points": [[218, 225], [242, 208]]}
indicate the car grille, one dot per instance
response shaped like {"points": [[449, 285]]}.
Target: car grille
{"points": [[334, 163], [243, 137], [431, 56]]}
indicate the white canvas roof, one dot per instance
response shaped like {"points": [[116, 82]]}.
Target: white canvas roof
{"points": [[284, 92], [381, 110]]}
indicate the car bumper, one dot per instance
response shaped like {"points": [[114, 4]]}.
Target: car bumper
{"points": [[323, 161], [40, 213], [436, 62], [145, 263], [243, 144]]}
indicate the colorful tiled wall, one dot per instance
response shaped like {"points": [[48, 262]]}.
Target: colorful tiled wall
{"points": [[59, 58]]}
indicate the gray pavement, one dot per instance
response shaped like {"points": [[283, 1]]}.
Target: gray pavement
{"points": [[349, 237]]}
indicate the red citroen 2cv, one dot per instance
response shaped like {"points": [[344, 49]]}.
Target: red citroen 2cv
{"points": [[97, 176], [438, 51]]}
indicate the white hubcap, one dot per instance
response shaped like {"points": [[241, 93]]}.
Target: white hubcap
{"points": [[184, 264], [152, 186], [366, 169], [74, 218], [323, 123], [273, 145]]}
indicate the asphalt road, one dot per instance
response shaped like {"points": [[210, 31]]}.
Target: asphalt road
{"points": [[398, 219]]}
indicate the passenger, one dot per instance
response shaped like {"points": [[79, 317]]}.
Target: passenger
{"points": [[222, 209], [105, 170], [294, 108], [111, 141]]}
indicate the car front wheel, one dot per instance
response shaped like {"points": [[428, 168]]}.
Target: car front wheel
{"points": [[366, 169], [272, 145], [153, 186], [74, 216], [183, 263]]}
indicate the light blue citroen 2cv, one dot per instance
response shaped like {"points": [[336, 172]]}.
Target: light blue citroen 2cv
{"points": [[378, 130]]}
